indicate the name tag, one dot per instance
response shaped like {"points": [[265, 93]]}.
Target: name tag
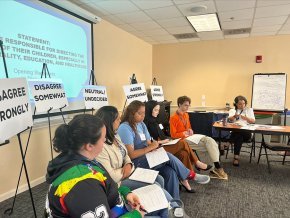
{"points": [[142, 136], [161, 126]]}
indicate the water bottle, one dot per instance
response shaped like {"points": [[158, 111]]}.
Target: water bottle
{"points": [[225, 120]]}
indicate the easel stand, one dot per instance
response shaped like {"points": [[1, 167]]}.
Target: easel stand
{"points": [[10, 210], [92, 82], [133, 80]]}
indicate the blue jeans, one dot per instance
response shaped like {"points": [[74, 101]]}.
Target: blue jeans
{"points": [[171, 171]]}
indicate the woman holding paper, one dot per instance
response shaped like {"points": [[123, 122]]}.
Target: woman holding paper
{"points": [[180, 149], [80, 186], [114, 156], [180, 127], [134, 134], [243, 115]]}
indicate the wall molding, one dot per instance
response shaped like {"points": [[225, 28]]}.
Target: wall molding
{"points": [[21, 189]]}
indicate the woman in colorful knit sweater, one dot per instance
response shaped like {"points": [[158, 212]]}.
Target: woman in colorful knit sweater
{"points": [[80, 186]]}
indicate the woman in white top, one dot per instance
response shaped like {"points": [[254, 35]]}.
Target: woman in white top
{"points": [[242, 115]]}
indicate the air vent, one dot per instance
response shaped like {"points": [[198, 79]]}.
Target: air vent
{"points": [[185, 36], [237, 31]]}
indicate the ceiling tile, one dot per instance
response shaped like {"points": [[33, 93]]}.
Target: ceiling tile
{"points": [[266, 29], [243, 14], [263, 3], [236, 24], [163, 13], [284, 32], [179, 30], [186, 9], [168, 41], [173, 22], [278, 10], [127, 27], [226, 5], [245, 35], [145, 25], [114, 20], [95, 10], [269, 21], [133, 17], [189, 40], [151, 4], [211, 35], [163, 37], [155, 32], [182, 2], [116, 7], [264, 33]]}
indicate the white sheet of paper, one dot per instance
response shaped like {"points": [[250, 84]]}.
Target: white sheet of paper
{"points": [[195, 138], [144, 175], [157, 157], [152, 198], [172, 142]]}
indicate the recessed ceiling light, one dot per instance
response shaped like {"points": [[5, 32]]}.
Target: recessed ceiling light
{"points": [[205, 22]]}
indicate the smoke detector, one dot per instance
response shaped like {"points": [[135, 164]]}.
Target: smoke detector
{"points": [[198, 9]]}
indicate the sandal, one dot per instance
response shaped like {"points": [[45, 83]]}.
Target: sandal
{"points": [[236, 162]]}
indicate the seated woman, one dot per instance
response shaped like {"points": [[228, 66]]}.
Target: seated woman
{"points": [[180, 127], [134, 134], [80, 186], [181, 149], [241, 114], [114, 156]]}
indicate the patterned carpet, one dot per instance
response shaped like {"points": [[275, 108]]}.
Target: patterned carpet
{"points": [[250, 192]]}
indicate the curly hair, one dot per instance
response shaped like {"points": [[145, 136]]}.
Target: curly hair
{"points": [[130, 111]]}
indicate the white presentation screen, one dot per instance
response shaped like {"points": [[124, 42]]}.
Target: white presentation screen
{"points": [[34, 33]]}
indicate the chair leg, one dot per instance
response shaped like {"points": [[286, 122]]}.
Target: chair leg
{"points": [[227, 152], [283, 163], [260, 154], [268, 163]]}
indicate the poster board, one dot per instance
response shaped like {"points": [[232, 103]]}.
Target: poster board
{"points": [[269, 91]]}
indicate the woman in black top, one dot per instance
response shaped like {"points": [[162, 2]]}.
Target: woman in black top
{"points": [[181, 149]]}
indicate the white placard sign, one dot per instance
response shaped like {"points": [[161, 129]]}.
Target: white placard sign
{"points": [[135, 92], [48, 94], [157, 93], [95, 96], [15, 110]]}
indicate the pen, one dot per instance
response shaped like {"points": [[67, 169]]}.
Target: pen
{"points": [[142, 209]]}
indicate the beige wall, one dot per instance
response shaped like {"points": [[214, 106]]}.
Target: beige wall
{"points": [[117, 55], [219, 69]]}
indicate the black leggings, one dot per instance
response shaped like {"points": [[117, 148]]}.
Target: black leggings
{"points": [[238, 138]]}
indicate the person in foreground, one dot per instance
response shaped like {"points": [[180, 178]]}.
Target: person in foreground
{"points": [[181, 149], [243, 115], [134, 134], [80, 186], [180, 128], [114, 156]]}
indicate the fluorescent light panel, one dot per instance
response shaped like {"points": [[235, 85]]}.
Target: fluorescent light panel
{"points": [[205, 22]]}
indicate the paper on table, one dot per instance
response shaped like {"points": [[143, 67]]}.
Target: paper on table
{"points": [[195, 138], [172, 142], [157, 157], [152, 198], [144, 175]]}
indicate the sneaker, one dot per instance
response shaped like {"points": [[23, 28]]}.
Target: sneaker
{"points": [[218, 174], [201, 179]]}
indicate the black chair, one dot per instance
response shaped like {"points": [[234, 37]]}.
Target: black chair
{"points": [[250, 144], [284, 147]]}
